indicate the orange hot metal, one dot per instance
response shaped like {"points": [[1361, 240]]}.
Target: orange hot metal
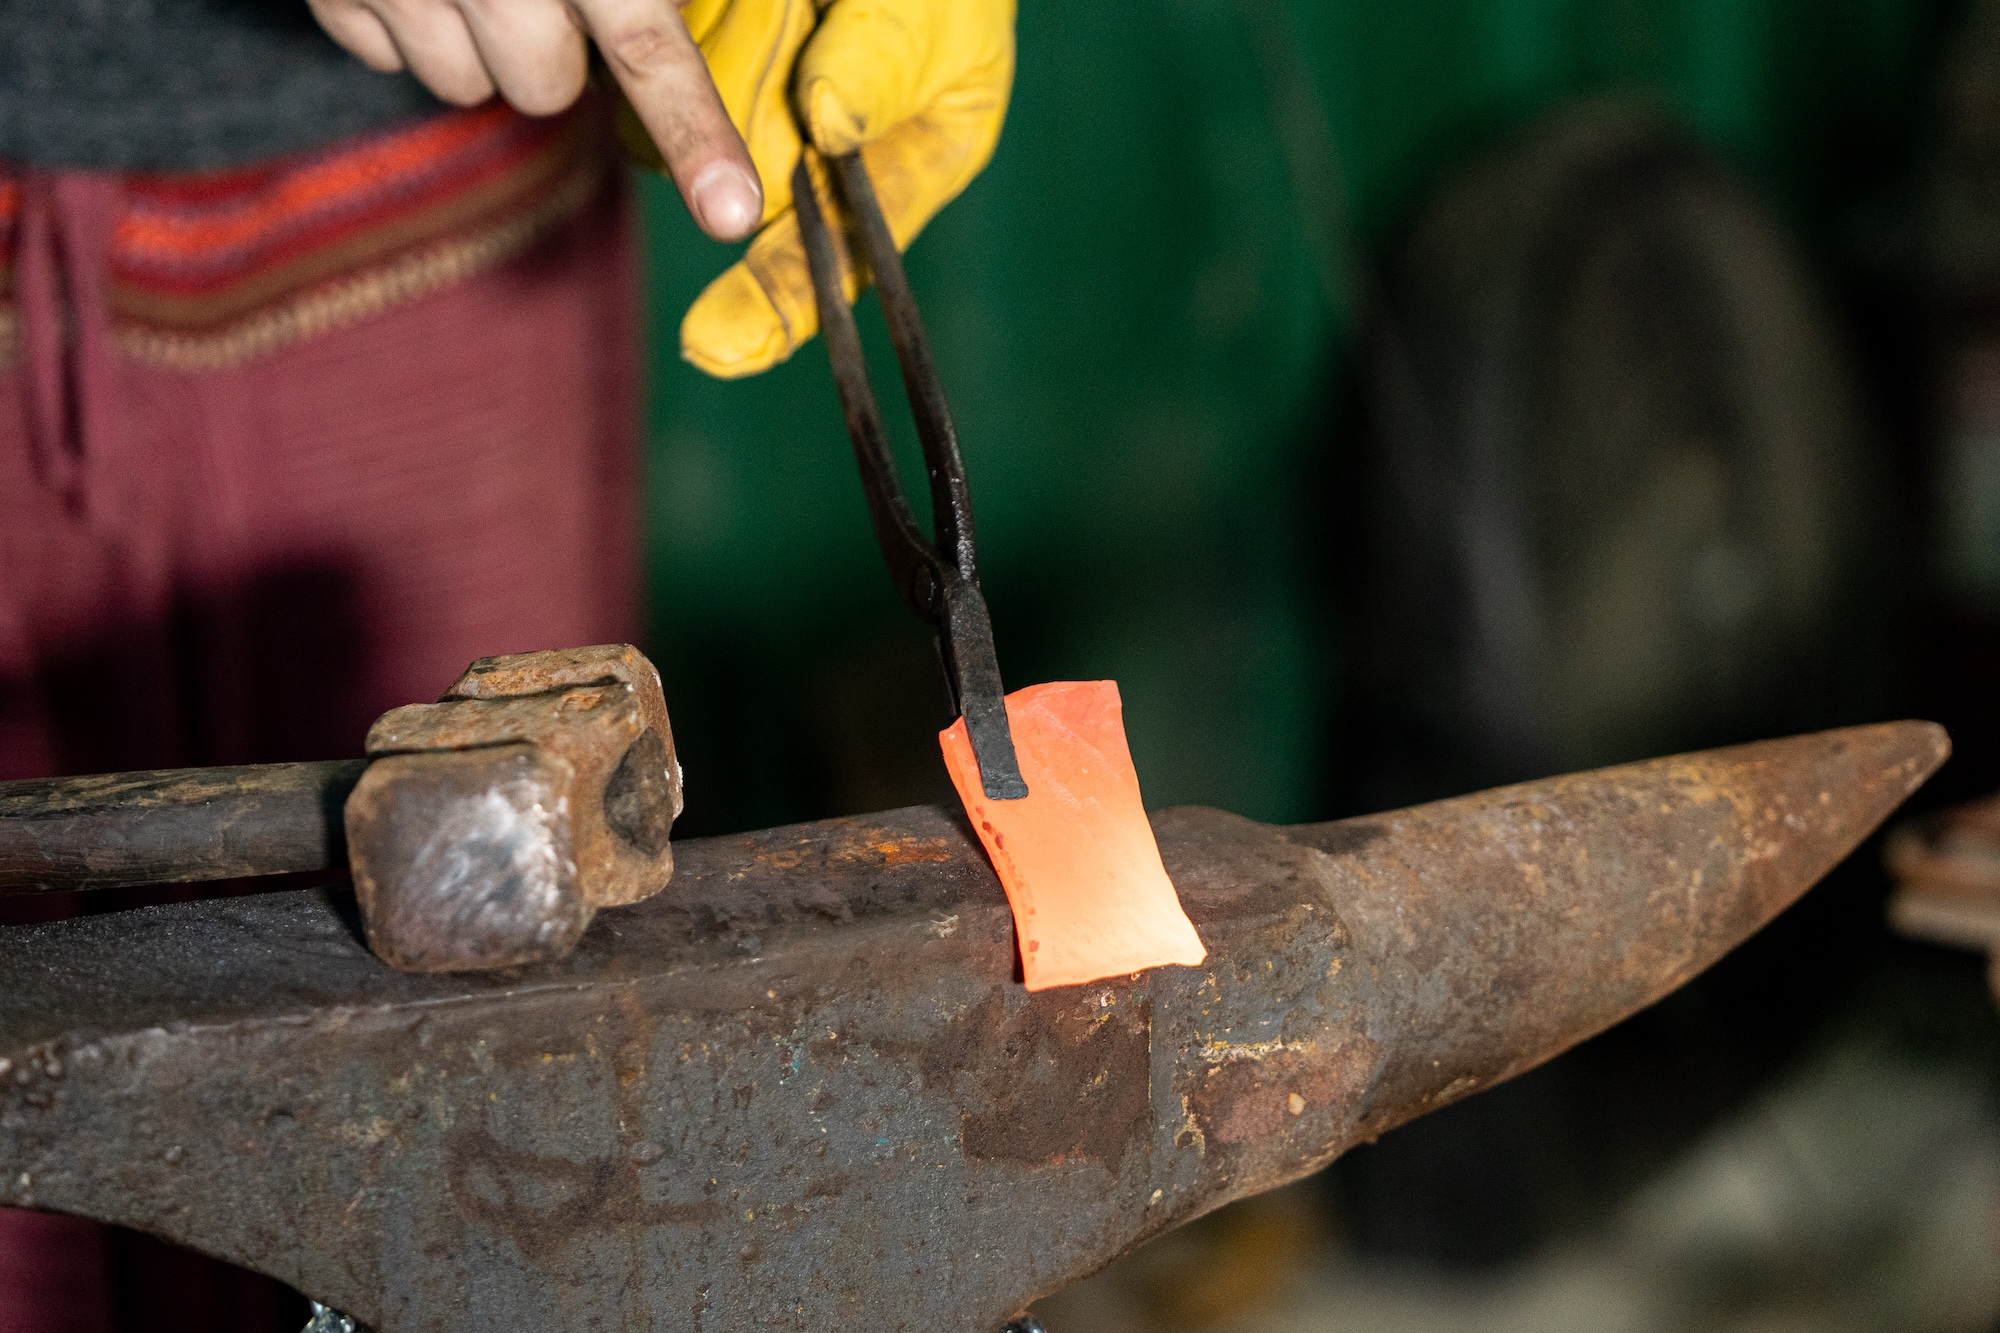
{"points": [[1077, 857]]}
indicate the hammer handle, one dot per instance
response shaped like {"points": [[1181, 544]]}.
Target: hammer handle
{"points": [[173, 825]]}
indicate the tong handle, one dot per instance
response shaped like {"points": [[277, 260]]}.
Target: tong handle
{"points": [[937, 580], [913, 562], [951, 497]]}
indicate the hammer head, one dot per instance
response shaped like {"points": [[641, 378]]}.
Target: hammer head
{"points": [[494, 823]]}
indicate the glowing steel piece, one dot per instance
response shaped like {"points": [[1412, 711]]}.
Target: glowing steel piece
{"points": [[1076, 856]]}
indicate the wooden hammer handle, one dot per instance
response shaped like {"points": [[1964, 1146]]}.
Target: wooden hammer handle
{"points": [[173, 825]]}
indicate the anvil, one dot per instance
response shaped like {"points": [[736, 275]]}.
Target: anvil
{"points": [[803, 1089]]}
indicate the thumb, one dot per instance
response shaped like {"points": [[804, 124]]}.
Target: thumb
{"points": [[869, 67]]}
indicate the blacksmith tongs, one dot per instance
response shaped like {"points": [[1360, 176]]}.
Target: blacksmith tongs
{"points": [[937, 580]]}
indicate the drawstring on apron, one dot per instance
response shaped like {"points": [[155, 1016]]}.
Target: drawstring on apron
{"points": [[69, 368]]}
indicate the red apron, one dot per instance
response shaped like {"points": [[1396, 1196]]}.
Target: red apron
{"points": [[281, 448]]}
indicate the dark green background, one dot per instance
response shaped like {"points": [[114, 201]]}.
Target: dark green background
{"points": [[1137, 312]]}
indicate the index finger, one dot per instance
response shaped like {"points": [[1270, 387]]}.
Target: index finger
{"points": [[656, 62]]}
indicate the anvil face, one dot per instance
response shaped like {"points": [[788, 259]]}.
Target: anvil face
{"points": [[802, 1088]]}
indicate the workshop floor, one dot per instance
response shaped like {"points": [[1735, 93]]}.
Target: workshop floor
{"points": [[1861, 1193]]}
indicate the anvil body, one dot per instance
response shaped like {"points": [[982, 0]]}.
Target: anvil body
{"points": [[803, 1087]]}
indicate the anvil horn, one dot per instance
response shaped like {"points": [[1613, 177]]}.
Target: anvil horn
{"points": [[802, 1088]]}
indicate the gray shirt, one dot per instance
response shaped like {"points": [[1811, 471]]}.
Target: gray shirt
{"points": [[181, 84]]}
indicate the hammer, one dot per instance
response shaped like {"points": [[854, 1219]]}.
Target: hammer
{"points": [[483, 831]]}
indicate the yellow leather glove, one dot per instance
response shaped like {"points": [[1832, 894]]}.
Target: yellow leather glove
{"points": [[919, 86]]}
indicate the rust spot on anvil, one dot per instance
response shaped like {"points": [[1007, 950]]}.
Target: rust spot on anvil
{"points": [[907, 851], [1270, 1096], [858, 846], [544, 1204], [1064, 1078]]}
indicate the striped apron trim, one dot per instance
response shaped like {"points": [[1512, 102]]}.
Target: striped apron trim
{"points": [[211, 269]]}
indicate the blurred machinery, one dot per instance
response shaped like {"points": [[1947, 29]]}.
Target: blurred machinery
{"points": [[1955, 265], [1947, 869], [1619, 495], [1947, 865]]}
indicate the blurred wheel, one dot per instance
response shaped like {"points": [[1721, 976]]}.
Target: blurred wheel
{"points": [[1620, 498]]}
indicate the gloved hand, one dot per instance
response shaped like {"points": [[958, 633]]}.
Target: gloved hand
{"points": [[919, 86]]}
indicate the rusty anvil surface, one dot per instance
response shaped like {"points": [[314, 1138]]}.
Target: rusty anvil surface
{"points": [[802, 1089]]}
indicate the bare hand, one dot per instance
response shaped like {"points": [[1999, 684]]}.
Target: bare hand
{"points": [[534, 53]]}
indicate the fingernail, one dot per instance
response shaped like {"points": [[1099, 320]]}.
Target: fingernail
{"points": [[727, 201]]}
